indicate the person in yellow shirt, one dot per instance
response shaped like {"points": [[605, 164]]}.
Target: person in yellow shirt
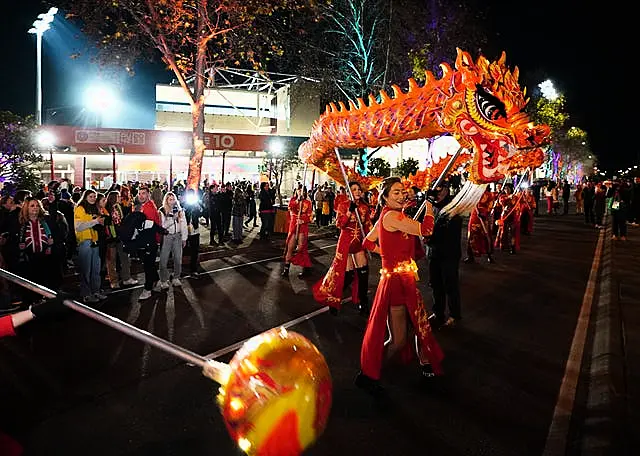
{"points": [[86, 217]]}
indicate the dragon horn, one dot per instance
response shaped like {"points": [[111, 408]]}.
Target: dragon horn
{"points": [[352, 106], [342, 106], [503, 59], [397, 91], [446, 69], [361, 103], [372, 100], [413, 85], [384, 96]]}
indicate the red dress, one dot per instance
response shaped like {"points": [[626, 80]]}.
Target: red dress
{"points": [[479, 230], [397, 287], [301, 256], [527, 207], [328, 291], [509, 223]]}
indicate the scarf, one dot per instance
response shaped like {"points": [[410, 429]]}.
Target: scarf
{"points": [[34, 235]]}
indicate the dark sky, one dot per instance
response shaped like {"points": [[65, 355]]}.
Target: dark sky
{"points": [[581, 46]]}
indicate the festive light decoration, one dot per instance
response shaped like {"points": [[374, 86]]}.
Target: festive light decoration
{"points": [[278, 395], [480, 104]]}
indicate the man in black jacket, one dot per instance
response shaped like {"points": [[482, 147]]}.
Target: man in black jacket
{"points": [[444, 255]]}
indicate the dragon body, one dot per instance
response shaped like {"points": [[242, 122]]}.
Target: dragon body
{"points": [[480, 104]]}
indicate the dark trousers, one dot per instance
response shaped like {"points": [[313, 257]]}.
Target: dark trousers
{"points": [[267, 220], [216, 226], [193, 248], [445, 286], [589, 216], [226, 222], [149, 265], [619, 223], [565, 209]]}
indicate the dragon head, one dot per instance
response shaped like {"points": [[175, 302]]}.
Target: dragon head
{"points": [[484, 112]]}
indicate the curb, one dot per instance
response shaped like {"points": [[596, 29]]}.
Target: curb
{"points": [[604, 426]]}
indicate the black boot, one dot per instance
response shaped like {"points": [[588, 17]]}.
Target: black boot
{"points": [[363, 289], [490, 260], [304, 273], [370, 385], [469, 260], [348, 278], [285, 271]]}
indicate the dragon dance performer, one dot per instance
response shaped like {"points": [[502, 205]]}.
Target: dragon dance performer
{"points": [[296, 247], [508, 235], [398, 300], [350, 259], [479, 236], [528, 206]]}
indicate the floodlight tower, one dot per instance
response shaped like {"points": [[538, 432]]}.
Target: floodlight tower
{"points": [[41, 25]]}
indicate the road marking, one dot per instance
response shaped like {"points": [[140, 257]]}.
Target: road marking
{"points": [[556, 443], [226, 268], [295, 321]]}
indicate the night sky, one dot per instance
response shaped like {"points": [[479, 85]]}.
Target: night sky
{"points": [[583, 49]]}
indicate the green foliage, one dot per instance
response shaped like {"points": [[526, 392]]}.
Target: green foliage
{"points": [[18, 158], [407, 167], [379, 167], [550, 112]]}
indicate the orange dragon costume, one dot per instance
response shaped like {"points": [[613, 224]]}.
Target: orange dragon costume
{"points": [[480, 104], [328, 291]]}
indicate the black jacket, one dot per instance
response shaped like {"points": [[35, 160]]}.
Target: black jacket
{"points": [[445, 242]]}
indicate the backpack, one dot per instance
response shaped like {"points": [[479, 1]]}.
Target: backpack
{"points": [[129, 230]]}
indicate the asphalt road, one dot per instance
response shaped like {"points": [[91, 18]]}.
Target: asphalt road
{"points": [[73, 386]]}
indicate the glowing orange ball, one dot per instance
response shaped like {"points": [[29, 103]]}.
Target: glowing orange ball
{"points": [[278, 395]]}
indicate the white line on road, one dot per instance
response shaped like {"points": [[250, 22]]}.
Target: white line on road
{"points": [[556, 443], [226, 268]]}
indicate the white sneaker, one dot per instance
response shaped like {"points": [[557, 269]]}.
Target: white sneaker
{"points": [[146, 294], [176, 283], [131, 281], [164, 285]]}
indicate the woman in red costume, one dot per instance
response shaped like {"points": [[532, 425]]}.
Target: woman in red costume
{"points": [[527, 209], [479, 240], [398, 300], [508, 235], [351, 258], [296, 247]]}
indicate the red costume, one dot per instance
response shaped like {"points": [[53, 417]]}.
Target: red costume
{"points": [[479, 234], [397, 287], [301, 255], [527, 208], [509, 223], [6, 326], [328, 291]]}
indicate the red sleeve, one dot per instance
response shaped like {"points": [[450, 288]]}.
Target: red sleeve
{"points": [[341, 215], [6, 326], [307, 211]]}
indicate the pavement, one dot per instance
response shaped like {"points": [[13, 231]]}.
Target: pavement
{"points": [[72, 386]]}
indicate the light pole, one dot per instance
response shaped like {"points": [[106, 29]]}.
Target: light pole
{"points": [[169, 146], [40, 25], [45, 140], [224, 154]]}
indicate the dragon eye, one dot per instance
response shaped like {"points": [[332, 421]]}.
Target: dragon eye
{"points": [[489, 106]]}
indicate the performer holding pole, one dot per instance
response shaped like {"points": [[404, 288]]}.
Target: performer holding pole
{"points": [[296, 246], [479, 241], [351, 261], [398, 301]]}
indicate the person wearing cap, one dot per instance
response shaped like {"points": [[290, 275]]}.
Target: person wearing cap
{"points": [[444, 253]]}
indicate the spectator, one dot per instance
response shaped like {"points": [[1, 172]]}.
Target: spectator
{"points": [[173, 220], [215, 216], [588, 197], [150, 249], [226, 204], [619, 206], [267, 211], [318, 198], [86, 218], [566, 194], [251, 206], [115, 250], [192, 210], [599, 205], [237, 213]]}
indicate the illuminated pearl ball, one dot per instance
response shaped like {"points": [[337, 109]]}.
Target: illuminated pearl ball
{"points": [[278, 396]]}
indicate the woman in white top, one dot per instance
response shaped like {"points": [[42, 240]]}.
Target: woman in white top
{"points": [[173, 220]]}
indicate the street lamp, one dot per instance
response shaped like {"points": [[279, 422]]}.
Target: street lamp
{"points": [[99, 99], [41, 25], [548, 90], [45, 141]]}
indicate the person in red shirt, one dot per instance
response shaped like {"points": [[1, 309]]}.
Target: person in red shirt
{"points": [[296, 246], [350, 264], [398, 303], [479, 235], [149, 209]]}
